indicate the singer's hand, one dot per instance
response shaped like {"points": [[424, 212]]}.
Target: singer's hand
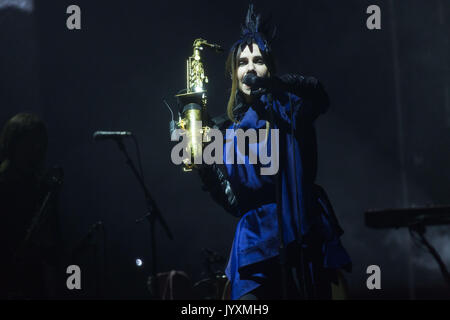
{"points": [[260, 85], [256, 84]]}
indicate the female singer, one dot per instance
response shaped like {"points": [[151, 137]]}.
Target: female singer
{"points": [[287, 241]]}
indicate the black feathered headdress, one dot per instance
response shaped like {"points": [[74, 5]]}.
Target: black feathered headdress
{"points": [[255, 30]]}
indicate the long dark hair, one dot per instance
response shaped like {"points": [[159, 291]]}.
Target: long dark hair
{"points": [[18, 126], [231, 66], [254, 30]]}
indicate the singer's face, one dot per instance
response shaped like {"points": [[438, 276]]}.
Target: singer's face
{"points": [[250, 62]]}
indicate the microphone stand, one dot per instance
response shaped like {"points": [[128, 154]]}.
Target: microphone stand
{"points": [[251, 79], [282, 247], [153, 214], [88, 241], [419, 229], [39, 217]]}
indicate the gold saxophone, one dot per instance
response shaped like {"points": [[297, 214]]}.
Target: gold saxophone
{"points": [[193, 103]]}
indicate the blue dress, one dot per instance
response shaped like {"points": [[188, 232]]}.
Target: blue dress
{"points": [[304, 205]]}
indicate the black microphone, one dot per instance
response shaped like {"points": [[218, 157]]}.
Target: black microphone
{"points": [[104, 135], [255, 82], [308, 87]]}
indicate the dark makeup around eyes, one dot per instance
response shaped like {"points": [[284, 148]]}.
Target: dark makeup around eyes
{"points": [[256, 59]]}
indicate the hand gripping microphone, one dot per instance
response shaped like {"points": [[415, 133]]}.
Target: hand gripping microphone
{"points": [[259, 85], [255, 82]]}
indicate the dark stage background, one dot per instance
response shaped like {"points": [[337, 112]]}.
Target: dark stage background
{"points": [[384, 144]]}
